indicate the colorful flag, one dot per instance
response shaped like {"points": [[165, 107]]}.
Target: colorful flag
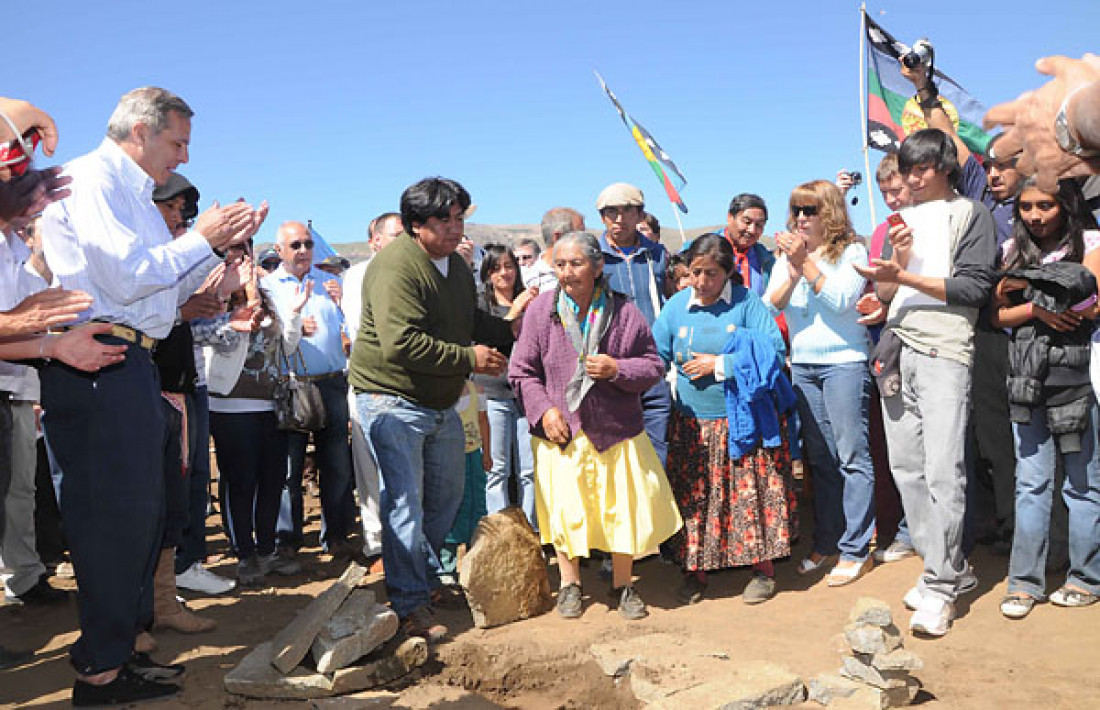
{"points": [[657, 157], [321, 248], [893, 113]]}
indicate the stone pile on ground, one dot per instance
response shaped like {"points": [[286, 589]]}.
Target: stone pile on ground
{"points": [[503, 571], [670, 672], [350, 637], [877, 669]]}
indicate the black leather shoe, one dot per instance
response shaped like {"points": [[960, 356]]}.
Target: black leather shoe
{"points": [[143, 665], [42, 593], [128, 687]]}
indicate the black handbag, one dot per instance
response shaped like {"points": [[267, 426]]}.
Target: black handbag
{"points": [[298, 403]]}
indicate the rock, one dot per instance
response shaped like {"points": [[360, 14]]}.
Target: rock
{"points": [[897, 660], [346, 621], [375, 625], [503, 571], [862, 670], [868, 638], [256, 677], [713, 682], [390, 665], [868, 610], [293, 642], [827, 687], [868, 698]]}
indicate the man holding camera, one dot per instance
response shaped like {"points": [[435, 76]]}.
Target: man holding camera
{"points": [[933, 308]]}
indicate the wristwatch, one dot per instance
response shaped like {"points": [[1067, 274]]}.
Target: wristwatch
{"points": [[1064, 136]]}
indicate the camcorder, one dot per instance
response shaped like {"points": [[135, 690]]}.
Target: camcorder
{"points": [[920, 54]]}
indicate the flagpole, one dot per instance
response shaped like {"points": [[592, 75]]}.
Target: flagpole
{"points": [[676, 214], [863, 110]]}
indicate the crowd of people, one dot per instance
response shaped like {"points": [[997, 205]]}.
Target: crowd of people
{"points": [[628, 400]]}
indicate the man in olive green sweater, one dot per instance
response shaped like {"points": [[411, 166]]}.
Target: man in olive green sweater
{"points": [[409, 364]]}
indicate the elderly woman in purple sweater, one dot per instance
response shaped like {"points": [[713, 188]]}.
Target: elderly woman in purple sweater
{"points": [[583, 359]]}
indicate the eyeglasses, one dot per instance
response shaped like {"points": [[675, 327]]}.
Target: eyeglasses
{"points": [[295, 246], [808, 210], [614, 212]]}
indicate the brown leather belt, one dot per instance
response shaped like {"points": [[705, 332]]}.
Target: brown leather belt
{"points": [[125, 332]]}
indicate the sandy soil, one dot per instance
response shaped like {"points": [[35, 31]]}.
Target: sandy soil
{"points": [[1048, 660]]}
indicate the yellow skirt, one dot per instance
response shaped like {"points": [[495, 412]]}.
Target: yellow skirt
{"points": [[616, 501]]}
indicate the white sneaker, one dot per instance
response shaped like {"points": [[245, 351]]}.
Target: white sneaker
{"points": [[897, 550], [199, 579], [933, 617], [968, 582]]}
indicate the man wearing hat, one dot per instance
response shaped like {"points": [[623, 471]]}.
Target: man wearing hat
{"points": [[635, 266], [335, 265]]}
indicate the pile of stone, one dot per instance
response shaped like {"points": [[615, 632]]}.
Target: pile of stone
{"points": [[672, 672], [877, 670], [350, 640]]}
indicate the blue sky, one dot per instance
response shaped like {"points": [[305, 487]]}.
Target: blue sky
{"points": [[330, 109]]}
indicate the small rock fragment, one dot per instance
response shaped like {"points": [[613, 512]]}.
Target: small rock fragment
{"points": [[868, 638], [868, 610]]}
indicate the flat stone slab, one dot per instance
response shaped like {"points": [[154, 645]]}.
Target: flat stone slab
{"points": [[860, 668], [825, 688], [868, 610], [868, 698], [293, 642], [869, 638], [370, 625], [710, 682], [393, 663], [256, 677], [897, 660]]}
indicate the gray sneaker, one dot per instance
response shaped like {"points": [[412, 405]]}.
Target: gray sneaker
{"points": [[569, 601], [896, 551], [249, 572], [631, 606], [276, 563], [760, 589]]}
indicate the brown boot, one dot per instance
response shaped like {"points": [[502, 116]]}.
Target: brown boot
{"points": [[145, 643], [168, 612]]}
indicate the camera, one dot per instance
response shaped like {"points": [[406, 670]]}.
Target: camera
{"points": [[856, 177], [920, 54]]}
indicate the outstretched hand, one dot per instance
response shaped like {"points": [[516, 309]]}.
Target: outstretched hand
{"points": [[31, 192], [1029, 122]]}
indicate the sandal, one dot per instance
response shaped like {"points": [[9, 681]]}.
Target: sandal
{"points": [[1068, 596], [808, 566], [1017, 606], [840, 576]]}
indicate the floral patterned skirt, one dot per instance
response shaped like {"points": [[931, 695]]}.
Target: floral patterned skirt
{"points": [[735, 513]]}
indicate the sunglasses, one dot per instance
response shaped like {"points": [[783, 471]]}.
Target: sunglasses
{"points": [[295, 246], [808, 210]]}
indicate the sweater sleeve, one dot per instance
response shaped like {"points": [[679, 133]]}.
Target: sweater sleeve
{"points": [[401, 319], [527, 374], [973, 274], [639, 366], [662, 334]]}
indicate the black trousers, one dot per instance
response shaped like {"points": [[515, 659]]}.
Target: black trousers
{"points": [[107, 431]]}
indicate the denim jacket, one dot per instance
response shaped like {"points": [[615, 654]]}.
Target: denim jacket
{"points": [[757, 393], [640, 275]]}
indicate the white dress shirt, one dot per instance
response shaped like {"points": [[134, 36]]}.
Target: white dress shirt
{"points": [[108, 239], [351, 303], [17, 281]]}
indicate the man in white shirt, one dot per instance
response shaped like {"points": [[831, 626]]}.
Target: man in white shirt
{"points": [[107, 429], [383, 229]]}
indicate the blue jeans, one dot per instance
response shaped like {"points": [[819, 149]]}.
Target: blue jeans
{"points": [[420, 455], [333, 459], [832, 405], [510, 441], [1037, 455]]}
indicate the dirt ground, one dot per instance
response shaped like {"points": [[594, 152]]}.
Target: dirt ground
{"points": [[1048, 660]]}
